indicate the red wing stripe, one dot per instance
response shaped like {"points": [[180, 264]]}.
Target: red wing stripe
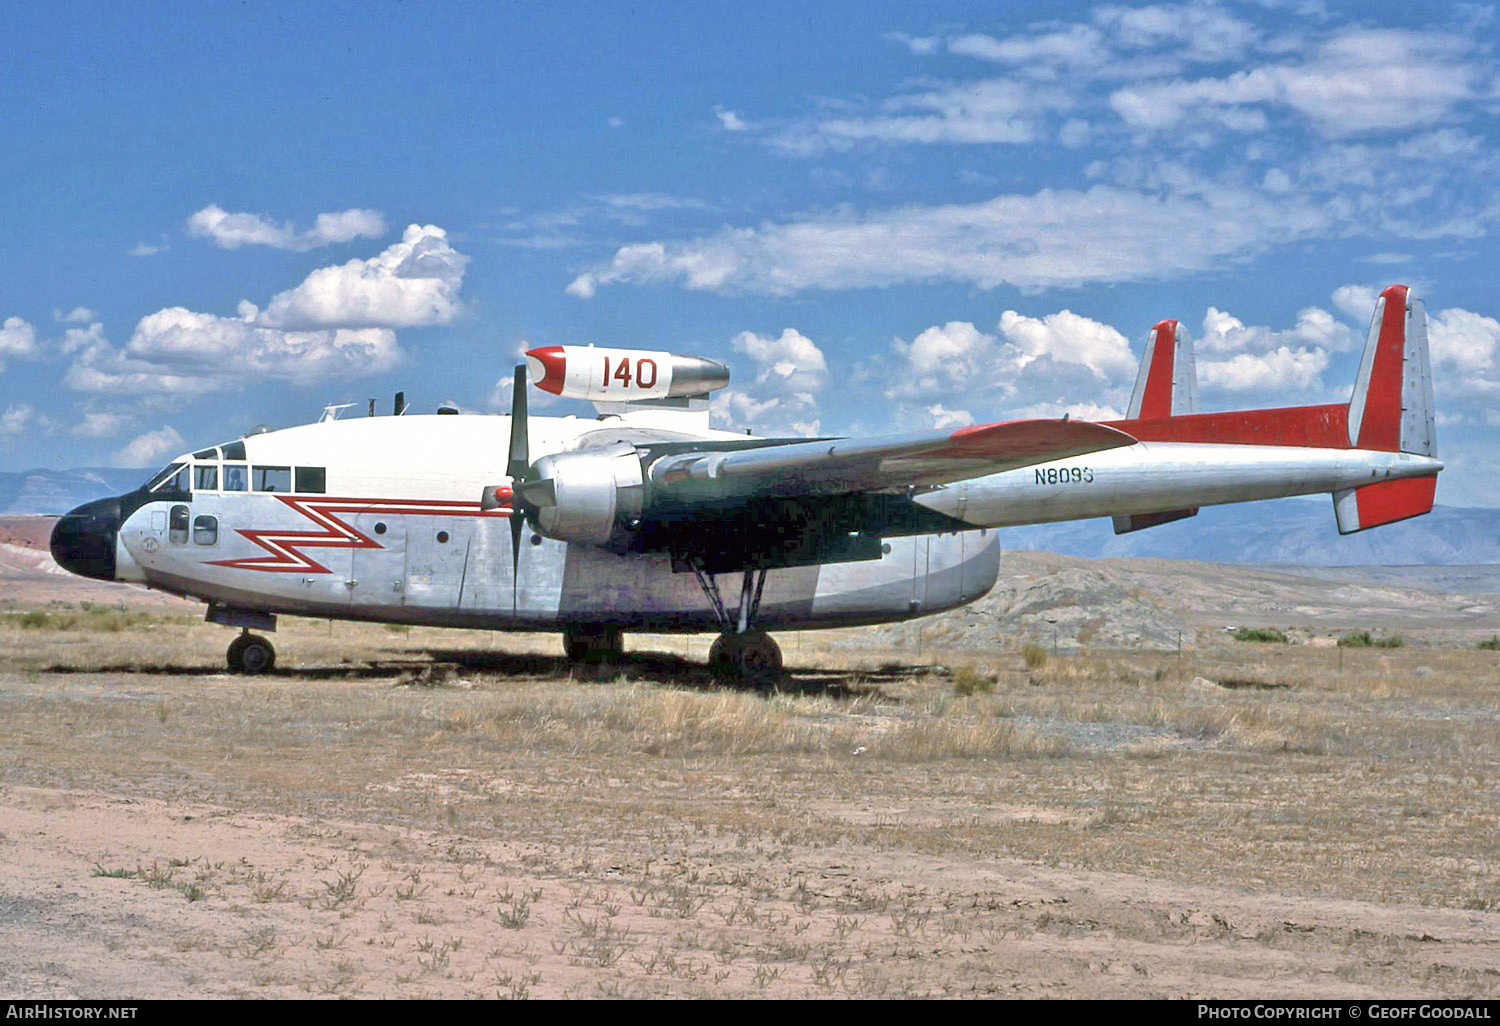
{"points": [[285, 546]]}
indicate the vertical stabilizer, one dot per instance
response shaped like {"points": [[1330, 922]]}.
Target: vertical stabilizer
{"points": [[1391, 411], [1167, 385]]}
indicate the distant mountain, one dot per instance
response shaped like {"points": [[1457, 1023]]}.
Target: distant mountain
{"points": [[1288, 531], [57, 491]]}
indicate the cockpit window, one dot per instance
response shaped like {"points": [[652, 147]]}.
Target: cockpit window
{"points": [[272, 479], [234, 450], [205, 478], [206, 454], [235, 477], [171, 478]]}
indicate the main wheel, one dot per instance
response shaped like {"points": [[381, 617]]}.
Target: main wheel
{"points": [[750, 658], [251, 654], [602, 645]]}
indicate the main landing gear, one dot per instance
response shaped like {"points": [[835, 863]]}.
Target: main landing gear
{"points": [[251, 654], [593, 644], [741, 651]]}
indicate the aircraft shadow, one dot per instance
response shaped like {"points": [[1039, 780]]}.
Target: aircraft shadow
{"points": [[666, 668], [441, 665]]}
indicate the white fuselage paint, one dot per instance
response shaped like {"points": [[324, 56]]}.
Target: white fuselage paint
{"points": [[397, 535]]}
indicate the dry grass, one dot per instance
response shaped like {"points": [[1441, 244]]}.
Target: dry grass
{"points": [[458, 816]]}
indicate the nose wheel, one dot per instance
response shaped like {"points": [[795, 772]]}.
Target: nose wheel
{"points": [[251, 654]]}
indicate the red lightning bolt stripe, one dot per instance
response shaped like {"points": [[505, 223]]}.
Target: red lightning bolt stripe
{"points": [[285, 547]]}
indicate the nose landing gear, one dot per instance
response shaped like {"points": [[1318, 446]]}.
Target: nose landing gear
{"points": [[251, 654]]}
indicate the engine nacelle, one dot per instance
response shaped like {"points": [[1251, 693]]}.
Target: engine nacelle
{"points": [[586, 496]]}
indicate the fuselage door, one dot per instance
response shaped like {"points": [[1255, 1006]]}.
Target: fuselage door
{"points": [[377, 576]]}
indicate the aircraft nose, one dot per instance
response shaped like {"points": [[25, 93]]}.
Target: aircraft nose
{"points": [[83, 540]]}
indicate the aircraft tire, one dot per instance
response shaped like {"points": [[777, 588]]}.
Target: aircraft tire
{"points": [[594, 646], [750, 658], [251, 654]]}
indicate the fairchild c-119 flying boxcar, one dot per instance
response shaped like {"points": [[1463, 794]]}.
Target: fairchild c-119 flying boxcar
{"points": [[645, 518]]}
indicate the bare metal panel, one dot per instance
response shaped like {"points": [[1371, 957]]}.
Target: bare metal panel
{"points": [[377, 576]]}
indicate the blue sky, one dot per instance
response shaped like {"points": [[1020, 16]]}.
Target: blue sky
{"points": [[881, 216]]}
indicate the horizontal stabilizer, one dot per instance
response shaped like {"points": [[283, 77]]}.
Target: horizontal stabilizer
{"points": [[1371, 505], [1141, 521]]}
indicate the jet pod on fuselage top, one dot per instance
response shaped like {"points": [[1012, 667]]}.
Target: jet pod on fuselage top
{"points": [[622, 375]]}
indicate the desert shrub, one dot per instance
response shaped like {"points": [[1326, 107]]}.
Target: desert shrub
{"points": [[1261, 634], [1033, 655], [1364, 639], [1490, 644], [969, 681]]}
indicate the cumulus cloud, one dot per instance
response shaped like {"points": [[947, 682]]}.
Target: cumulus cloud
{"points": [[1465, 346], [1046, 239], [339, 323], [1282, 369], [414, 282], [1357, 302], [17, 340], [16, 419], [790, 371], [177, 350], [77, 315], [232, 230], [1315, 328], [150, 448], [1043, 366]]}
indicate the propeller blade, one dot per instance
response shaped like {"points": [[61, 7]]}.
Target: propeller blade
{"points": [[517, 527], [518, 465], [520, 456]]}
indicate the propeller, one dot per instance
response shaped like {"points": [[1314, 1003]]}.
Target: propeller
{"points": [[518, 467]]}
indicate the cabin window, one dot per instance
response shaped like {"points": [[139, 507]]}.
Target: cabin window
{"points": [[272, 479], [205, 478], [234, 451], [234, 477], [205, 530], [442, 537], [178, 530], [171, 478], [312, 479]]}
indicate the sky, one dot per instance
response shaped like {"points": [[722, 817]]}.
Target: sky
{"points": [[882, 216]]}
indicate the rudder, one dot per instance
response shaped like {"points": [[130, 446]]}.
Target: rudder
{"points": [[1391, 411]]}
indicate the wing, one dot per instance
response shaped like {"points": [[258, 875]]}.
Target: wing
{"points": [[886, 463]]}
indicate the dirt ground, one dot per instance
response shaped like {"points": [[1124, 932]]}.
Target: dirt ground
{"points": [[408, 813], [449, 814]]}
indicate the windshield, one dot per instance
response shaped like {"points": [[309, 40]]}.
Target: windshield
{"points": [[171, 478]]}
